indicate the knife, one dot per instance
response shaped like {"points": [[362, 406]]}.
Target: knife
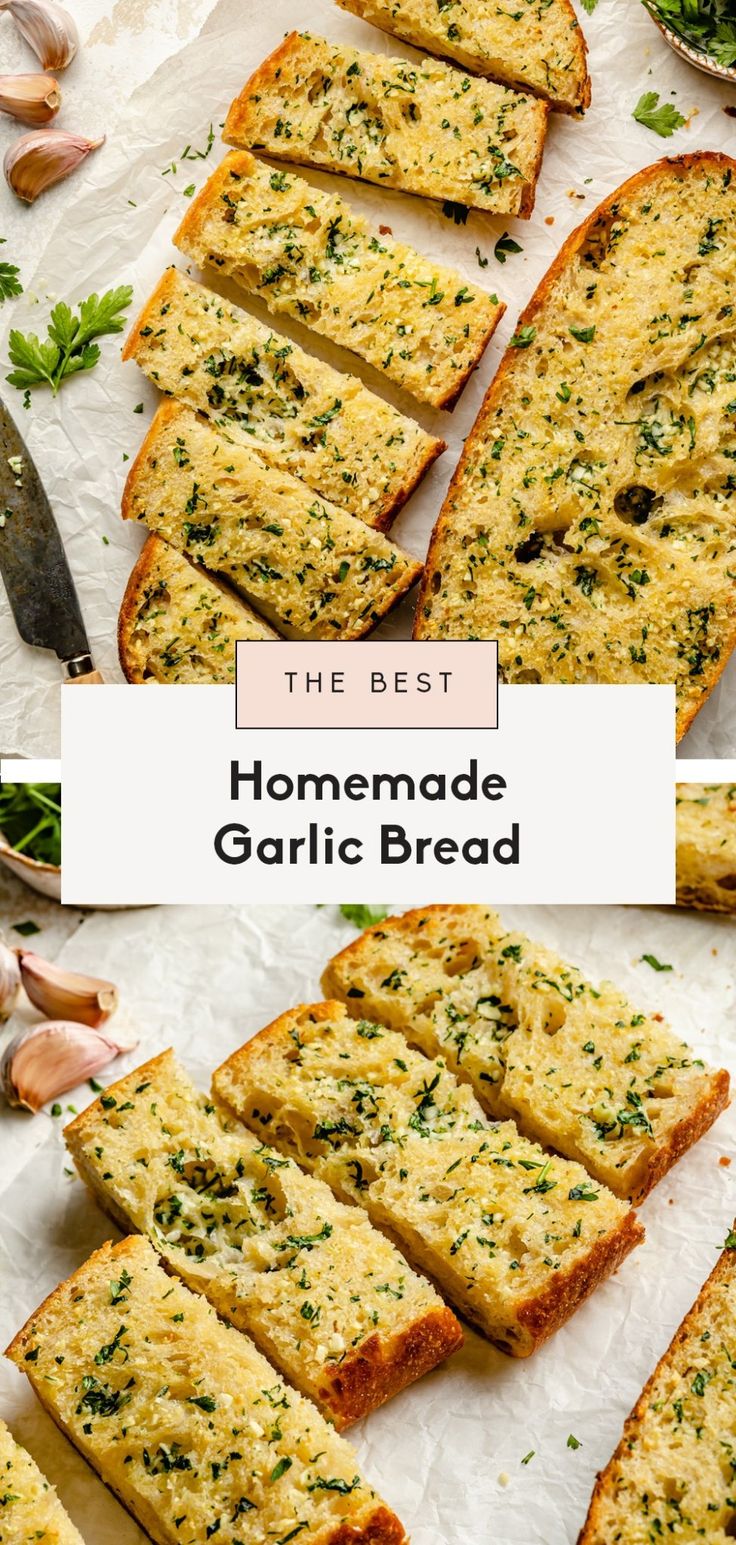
{"points": [[33, 563]]}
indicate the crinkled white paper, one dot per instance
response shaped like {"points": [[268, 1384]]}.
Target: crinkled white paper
{"points": [[447, 1453], [117, 226]]}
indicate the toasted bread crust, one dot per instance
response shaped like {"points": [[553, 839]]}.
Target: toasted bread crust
{"points": [[137, 580], [605, 1478], [653, 1167], [574, 242], [193, 224]]}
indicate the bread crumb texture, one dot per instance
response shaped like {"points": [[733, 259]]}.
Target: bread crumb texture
{"points": [[706, 846], [309, 256], [425, 128], [514, 1238], [538, 46], [298, 413], [310, 568], [575, 1065], [589, 526], [184, 1420], [29, 1507], [179, 624], [671, 1477], [324, 1294]]}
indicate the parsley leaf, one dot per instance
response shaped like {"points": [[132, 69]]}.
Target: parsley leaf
{"points": [[656, 965], [663, 120], [504, 246], [362, 916], [9, 281], [69, 346], [589, 6], [457, 212]]}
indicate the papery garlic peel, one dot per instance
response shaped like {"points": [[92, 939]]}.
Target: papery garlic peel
{"points": [[61, 994], [36, 161], [49, 1058], [48, 28], [9, 980], [32, 99]]}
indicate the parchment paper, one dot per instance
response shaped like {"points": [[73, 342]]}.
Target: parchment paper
{"points": [[447, 1454], [117, 227]]}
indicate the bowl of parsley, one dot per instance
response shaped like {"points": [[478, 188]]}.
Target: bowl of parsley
{"points": [[701, 31], [30, 834]]}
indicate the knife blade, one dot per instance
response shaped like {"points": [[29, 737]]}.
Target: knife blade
{"points": [[33, 563]]}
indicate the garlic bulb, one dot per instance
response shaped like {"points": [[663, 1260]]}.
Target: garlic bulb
{"points": [[9, 981], [50, 30], [33, 99], [36, 161], [47, 1059], [61, 994]]}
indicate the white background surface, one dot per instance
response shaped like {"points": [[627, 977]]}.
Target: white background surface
{"points": [[102, 240], [617, 756], [203, 979]]}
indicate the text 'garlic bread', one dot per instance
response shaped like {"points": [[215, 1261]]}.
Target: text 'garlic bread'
{"points": [[706, 846], [591, 524], [30, 1510], [514, 1238], [423, 128], [308, 255], [538, 46], [312, 570], [298, 413], [325, 1296], [576, 1066], [179, 624], [184, 1420], [671, 1477]]}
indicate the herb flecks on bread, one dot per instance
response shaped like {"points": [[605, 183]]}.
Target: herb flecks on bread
{"points": [[671, 1477], [298, 413], [538, 46], [325, 1296], [577, 1066], [514, 1238], [425, 128], [310, 568], [706, 846], [590, 524], [179, 624], [309, 256], [184, 1420], [29, 1507]]}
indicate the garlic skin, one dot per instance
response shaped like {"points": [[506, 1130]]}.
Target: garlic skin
{"points": [[36, 161], [48, 28], [9, 981], [32, 99], [60, 994], [49, 1058]]}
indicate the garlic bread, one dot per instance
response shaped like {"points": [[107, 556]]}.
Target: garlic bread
{"points": [[29, 1507], [576, 1066], [515, 1239], [706, 846]]}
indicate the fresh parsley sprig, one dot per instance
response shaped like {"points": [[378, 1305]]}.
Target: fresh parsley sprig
{"points": [[663, 120], [69, 346], [9, 282], [706, 25]]}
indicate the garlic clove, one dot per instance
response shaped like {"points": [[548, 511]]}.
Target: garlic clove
{"points": [[9, 981], [36, 161], [61, 994], [48, 1059], [33, 99], [50, 30]]}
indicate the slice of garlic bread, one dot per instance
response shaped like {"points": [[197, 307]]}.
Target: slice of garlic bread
{"points": [[577, 1066], [706, 846], [324, 1295], [590, 525], [424, 128], [184, 1420], [671, 1477], [515, 1239], [29, 1507], [538, 46], [298, 413], [313, 570], [306, 254], [179, 624]]}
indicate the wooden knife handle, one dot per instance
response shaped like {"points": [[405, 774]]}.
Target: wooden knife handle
{"points": [[90, 679]]}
